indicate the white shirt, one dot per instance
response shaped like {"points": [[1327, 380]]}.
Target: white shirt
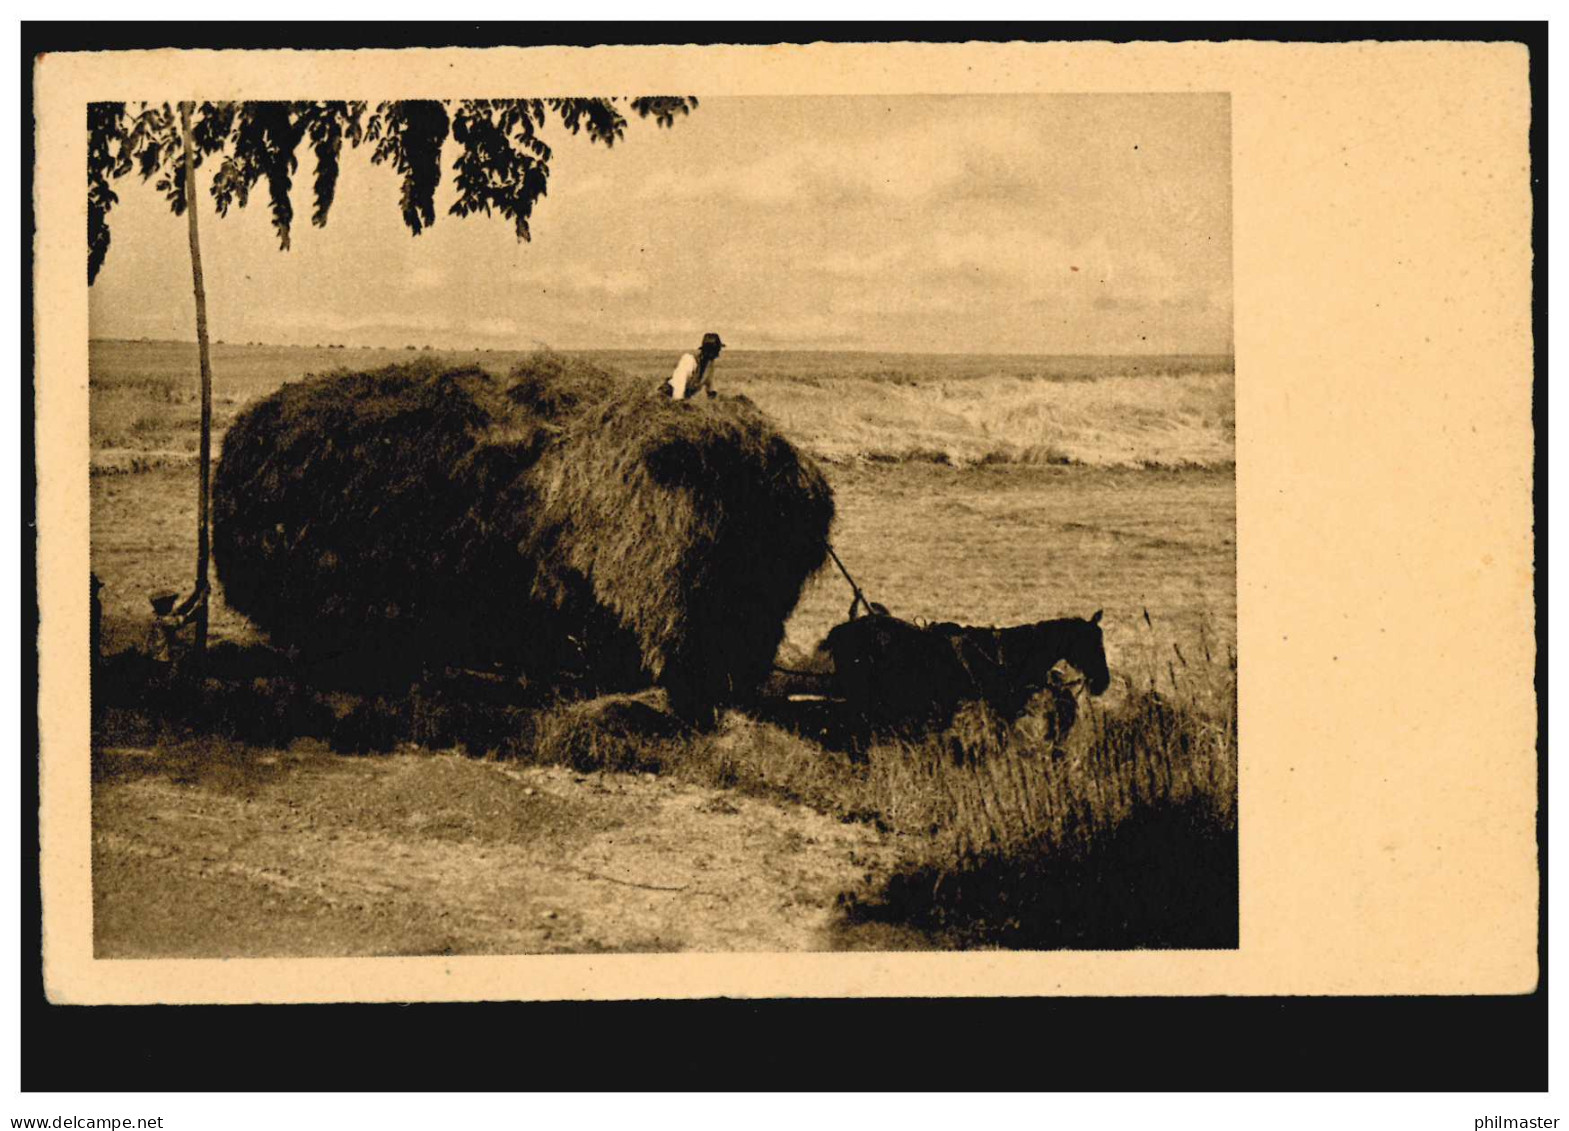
{"points": [[686, 381]]}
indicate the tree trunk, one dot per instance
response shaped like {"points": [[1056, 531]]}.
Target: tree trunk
{"points": [[205, 459]]}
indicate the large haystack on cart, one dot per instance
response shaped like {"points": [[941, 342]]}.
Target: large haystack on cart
{"points": [[563, 523]]}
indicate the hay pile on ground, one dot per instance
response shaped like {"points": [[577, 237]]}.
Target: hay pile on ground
{"points": [[563, 523]]}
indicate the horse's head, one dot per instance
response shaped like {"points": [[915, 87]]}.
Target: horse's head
{"points": [[1029, 652], [1085, 648]]}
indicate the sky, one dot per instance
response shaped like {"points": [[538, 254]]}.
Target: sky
{"points": [[1054, 224]]}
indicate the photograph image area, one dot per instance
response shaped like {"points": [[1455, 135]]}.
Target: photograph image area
{"points": [[580, 525]]}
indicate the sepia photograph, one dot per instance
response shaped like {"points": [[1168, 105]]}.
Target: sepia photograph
{"points": [[708, 520], [646, 523], [715, 563]]}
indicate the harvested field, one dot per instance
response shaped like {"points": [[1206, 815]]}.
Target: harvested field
{"points": [[939, 844]]}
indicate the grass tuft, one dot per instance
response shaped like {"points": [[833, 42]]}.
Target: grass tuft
{"points": [[1124, 836]]}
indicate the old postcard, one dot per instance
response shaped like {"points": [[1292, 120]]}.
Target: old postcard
{"points": [[881, 519]]}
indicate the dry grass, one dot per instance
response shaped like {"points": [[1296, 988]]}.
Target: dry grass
{"points": [[1122, 836], [695, 524], [1117, 421], [560, 522], [1126, 838], [959, 410]]}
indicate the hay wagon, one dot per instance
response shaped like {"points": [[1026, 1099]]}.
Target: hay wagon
{"points": [[562, 519]]}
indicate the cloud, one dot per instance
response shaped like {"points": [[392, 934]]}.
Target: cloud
{"points": [[912, 165], [425, 277], [576, 278], [842, 264], [617, 284], [496, 327], [1018, 260]]}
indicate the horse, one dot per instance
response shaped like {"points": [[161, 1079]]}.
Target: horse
{"points": [[1012, 665], [901, 677]]}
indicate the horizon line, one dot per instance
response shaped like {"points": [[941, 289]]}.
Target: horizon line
{"points": [[409, 347]]}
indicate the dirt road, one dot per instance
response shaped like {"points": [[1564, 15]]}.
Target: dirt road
{"points": [[214, 850]]}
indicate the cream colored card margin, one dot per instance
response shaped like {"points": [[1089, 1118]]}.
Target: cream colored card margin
{"points": [[1386, 627]]}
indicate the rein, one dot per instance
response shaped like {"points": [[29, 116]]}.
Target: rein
{"points": [[860, 597], [859, 602]]}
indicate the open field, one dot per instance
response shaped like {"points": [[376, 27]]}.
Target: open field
{"points": [[962, 410], [983, 490]]}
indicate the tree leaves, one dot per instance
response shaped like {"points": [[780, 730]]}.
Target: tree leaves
{"points": [[597, 115], [262, 147], [107, 156], [410, 135], [664, 110], [155, 145], [327, 124], [210, 131], [502, 164]]}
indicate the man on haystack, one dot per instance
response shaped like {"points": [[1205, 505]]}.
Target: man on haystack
{"points": [[694, 373]]}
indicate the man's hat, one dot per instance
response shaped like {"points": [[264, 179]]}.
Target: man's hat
{"points": [[163, 601], [711, 341]]}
